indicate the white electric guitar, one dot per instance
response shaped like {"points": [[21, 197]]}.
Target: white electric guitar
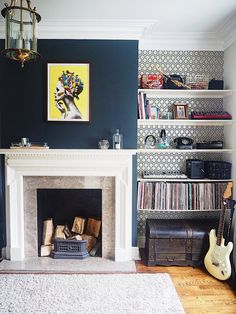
{"points": [[217, 260]]}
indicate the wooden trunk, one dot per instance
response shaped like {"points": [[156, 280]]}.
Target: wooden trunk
{"points": [[177, 242]]}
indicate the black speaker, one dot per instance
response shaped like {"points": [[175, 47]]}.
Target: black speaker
{"points": [[195, 169]]}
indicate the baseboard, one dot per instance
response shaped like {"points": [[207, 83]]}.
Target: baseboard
{"points": [[135, 253]]}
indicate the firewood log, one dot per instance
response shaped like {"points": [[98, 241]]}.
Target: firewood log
{"points": [[45, 250], [91, 241], [59, 232], [47, 231], [96, 249], [93, 227], [78, 225], [67, 232]]}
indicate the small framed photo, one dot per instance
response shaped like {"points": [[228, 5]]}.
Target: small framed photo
{"points": [[180, 111], [68, 92]]}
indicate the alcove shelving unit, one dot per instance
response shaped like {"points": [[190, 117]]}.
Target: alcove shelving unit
{"points": [[154, 157]]}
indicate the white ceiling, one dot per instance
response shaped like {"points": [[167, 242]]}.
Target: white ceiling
{"points": [[171, 15], [153, 22]]}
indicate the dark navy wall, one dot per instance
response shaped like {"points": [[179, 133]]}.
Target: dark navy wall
{"points": [[113, 83], [114, 66]]}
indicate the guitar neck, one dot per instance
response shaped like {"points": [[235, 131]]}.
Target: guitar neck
{"points": [[226, 196], [221, 224]]}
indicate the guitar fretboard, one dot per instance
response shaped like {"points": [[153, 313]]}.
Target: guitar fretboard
{"points": [[221, 224]]}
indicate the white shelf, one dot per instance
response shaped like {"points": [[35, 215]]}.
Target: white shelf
{"points": [[186, 93], [144, 122], [179, 210], [181, 151], [182, 180]]}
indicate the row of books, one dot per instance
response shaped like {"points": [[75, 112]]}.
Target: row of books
{"points": [[180, 196], [145, 109]]}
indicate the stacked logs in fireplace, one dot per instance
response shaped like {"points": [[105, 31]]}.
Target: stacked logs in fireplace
{"points": [[77, 242]]}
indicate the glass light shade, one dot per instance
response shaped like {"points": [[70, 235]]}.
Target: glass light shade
{"points": [[21, 35]]}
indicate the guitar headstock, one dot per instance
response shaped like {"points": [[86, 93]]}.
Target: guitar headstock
{"points": [[228, 191]]}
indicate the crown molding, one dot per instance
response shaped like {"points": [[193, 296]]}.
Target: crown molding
{"points": [[146, 31], [94, 29], [227, 31], [181, 41]]}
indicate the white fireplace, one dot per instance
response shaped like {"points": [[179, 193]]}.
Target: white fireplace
{"points": [[27, 170]]}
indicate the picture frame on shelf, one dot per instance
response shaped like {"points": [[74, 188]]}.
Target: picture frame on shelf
{"points": [[180, 111], [68, 92]]}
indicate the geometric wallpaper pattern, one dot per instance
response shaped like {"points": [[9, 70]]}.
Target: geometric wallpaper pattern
{"points": [[184, 63]]}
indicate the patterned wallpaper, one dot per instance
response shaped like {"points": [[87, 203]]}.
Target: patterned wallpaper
{"points": [[184, 63], [208, 63]]}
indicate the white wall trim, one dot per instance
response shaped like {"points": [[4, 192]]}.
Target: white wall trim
{"points": [[227, 31], [143, 30], [21, 163], [135, 253], [181, 41], [146, 31]]}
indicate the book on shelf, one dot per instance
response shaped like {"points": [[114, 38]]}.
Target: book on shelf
{"points": [[146, 110], [180, 196]]}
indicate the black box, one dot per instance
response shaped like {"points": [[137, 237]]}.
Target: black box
{"points": [[218, 169], [195, 169], [216, 84]]}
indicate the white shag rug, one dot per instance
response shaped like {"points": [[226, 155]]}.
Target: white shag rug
{"points": [[88, 294]]}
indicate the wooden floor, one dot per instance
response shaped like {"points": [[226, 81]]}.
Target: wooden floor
{"points": [[199, 292]]}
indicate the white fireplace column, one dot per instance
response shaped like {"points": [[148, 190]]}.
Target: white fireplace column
{"points": [[21, 163]]}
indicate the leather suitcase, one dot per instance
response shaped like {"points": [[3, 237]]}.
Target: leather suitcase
{"points": [[178, 242]]}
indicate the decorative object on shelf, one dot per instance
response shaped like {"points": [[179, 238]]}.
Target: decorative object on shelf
{"points": [[103, 144], [183, 143], [210, 145], [24, 143], [174, 81], [68, 92], [208, 115], [152, 81], [195, 169], [180, 111], [216, 84], [197, 81], [163, 175], [150, 141], [117, 140], [167, 115], [218, 169], [21, 37], [163, 142]]}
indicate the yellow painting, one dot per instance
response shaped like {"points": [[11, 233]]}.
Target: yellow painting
{"points": [[68, 92]]}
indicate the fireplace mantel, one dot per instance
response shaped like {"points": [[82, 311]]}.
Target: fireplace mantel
{"points": [[20, 163]]}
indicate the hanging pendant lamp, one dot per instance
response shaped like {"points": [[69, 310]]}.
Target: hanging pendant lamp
{"points": [[21, 36]]}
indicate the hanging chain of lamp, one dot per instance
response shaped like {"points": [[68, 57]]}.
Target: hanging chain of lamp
{"points": [[21, 37]]}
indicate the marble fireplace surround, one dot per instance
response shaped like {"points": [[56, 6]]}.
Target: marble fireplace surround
{"points": [[28, 169]]}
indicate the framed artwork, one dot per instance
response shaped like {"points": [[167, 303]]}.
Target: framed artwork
{"points": [[180, 111], [68, 92]]}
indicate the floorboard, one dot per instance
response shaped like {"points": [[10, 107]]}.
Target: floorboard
{"points": [[198, 291]]}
